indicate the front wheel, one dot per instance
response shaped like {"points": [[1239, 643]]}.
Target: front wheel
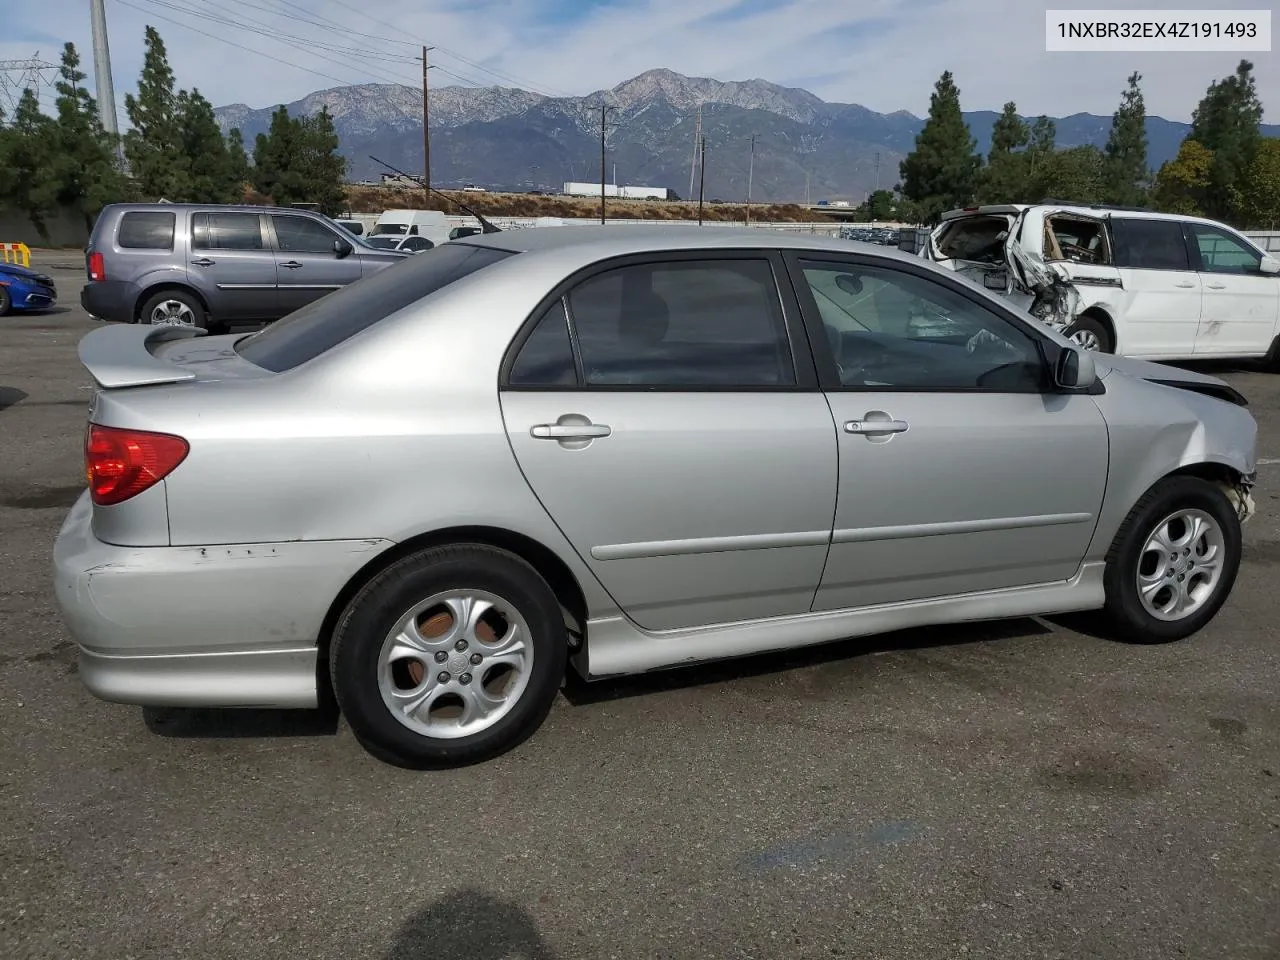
{"points": [[1173, 562], [1091, 334], [449, 656]]}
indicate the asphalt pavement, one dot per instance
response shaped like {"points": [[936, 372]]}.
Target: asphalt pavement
{"points": [[999, 790]]}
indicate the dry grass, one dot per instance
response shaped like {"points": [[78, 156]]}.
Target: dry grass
{"points": [[377, 199]]}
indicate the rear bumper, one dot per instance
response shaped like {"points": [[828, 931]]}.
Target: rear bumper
{"points": [[109, 300], [227, 626]]}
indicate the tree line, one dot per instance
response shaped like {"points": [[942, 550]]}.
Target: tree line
{"points": [[174, 151], [1225, 169]]}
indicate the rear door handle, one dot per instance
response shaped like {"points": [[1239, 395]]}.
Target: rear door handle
{"points": [[872, 427], [203, 262], [1216, 286], [1185, 284], [291, 264], [570, 431]]}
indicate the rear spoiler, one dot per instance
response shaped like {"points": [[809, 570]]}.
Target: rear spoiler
{"points": [[119, 355]]}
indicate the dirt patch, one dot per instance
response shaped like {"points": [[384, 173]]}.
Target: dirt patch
{"points": [[42, 498], [1104, 773]]}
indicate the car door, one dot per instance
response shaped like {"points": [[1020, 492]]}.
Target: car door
{"points": [[959, 469], [232, 266], [678, 437], [1159, 314], [1241, 302], [310, 261]]}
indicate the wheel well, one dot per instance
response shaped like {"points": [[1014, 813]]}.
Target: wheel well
{"points": [[1104, 318], [1213, 472], [161, 288], [549, 566]]}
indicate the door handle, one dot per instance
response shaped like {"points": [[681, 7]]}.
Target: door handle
{"points": [[203, 262], [873, 427], [570, 431], [291, 264], [1216, 286], [1185, 284]]}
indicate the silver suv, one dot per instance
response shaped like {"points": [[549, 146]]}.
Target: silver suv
{"points": [[207, 266]]}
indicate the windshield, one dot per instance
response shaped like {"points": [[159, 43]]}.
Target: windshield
{"points": [[389, 229], [324, 323], [383, 243]]}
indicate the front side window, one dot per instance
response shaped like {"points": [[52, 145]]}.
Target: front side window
{"points": [[1220, 252], [889, 329], [226, 231], [1150, 244], [690, 323], [302, 235]]}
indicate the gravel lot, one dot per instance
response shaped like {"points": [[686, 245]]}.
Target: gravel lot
{"points": [[1008, 790]]}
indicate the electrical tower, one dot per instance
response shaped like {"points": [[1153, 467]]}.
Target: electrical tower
{"points": [[18, 75]]}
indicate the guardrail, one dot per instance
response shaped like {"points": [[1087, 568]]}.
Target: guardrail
{"points": [[18, 253]]}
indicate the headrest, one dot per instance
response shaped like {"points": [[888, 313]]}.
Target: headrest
{"points": [[645, 317]]}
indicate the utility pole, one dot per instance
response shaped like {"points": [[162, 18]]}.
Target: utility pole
{"points": [[604, 112], [105, 89], [426, 123], [697, 139], [702, 174], [751, 169], [806, 189]]}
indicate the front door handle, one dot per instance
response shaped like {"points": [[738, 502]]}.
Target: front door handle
{"points": [[569, 431], [1216, 286], [291, 264], [203, 262], [1184, 284], [871, 428]]}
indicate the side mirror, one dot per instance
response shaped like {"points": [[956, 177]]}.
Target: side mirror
{"points": [[849, 283], [1269, 264], [342, 249], [1075, 369]]}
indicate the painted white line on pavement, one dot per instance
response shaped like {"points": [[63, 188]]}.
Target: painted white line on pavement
{"points": [[1268, 461]]}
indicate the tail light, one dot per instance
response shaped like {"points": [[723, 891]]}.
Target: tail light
{"points": [[97, 267], [120, 464]]}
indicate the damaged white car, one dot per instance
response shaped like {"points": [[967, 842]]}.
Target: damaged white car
{"points": [[1130, 282]]}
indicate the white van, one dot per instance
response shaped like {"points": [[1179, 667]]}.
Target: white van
{"points": [[431, 224], [1131, 282]]}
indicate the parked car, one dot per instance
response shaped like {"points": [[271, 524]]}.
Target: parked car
{"points": [[432, 224], [403, 244], [457, 233], [1133, 282], [628, 450], [22, 288], [190, 265]]}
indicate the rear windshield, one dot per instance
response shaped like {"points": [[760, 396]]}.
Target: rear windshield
{"points": [[306, 333], [974, 238]]}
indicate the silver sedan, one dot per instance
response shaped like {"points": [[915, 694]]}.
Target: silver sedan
{"points": [[620, 449]]}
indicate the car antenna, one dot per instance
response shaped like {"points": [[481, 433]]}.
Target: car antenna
{"points": [[485, 225]]}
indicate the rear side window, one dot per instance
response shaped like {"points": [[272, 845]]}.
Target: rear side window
{"points": [[322, 324], [226, 231], [141, 230], [1150, 244]]}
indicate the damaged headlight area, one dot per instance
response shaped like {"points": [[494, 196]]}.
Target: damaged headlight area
{"points": [[1240, 493]]}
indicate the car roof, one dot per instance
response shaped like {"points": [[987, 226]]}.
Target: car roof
{"points": [[1083, 210], [221, 207], [600, 242]]}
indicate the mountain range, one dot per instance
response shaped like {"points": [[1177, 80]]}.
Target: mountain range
{"points": [[505, 138]]}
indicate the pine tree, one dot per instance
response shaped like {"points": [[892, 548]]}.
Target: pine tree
{"points": [[297, 161], [324, 168], [83, 168], [30, 156], [1076, 173], [1262, 193], [239, 161], [941, 172], [1226, 122], [1009, 133], [1184, 183], [1126, 152], [1040, 152], [212, 173], [274, 154], [1004, 180], [154, 145]]}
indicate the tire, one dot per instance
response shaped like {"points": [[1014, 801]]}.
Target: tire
{"points": [[1087, 330], [428, 589], [1126, 616], [182, 307], [6, 302]]}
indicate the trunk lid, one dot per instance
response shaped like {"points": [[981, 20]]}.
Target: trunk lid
{"points": [[127, 355]]}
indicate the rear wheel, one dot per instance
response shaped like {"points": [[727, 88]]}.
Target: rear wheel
{"points": [[1173, 562], [1091, 333], [174, 308], [449, 656]]}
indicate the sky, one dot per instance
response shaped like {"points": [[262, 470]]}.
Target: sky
{"points": [[883, 54]]}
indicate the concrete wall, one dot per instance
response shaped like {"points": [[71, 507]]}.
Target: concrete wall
{"points": [[65, 229]]}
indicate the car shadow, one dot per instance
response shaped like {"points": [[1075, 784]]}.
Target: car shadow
{"points": [[10, 396], [1217, 368], [208, 723], [580, 692], [472, 924]]}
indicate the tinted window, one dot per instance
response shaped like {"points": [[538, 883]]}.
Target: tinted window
{"points": [[416, 244], [1150, 244], [146, 231], [704, 323], [226, 231], [1222, 253], [300, 235], [324, 323], [890, 329], [546, 358]]}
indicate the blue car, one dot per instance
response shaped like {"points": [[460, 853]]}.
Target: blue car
{"points": [[22, 288]]}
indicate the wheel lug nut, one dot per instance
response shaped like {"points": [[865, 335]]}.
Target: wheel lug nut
{"points": [[443, 676], [460, 645], [476, 658], [465, 678], [441, 657]]}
